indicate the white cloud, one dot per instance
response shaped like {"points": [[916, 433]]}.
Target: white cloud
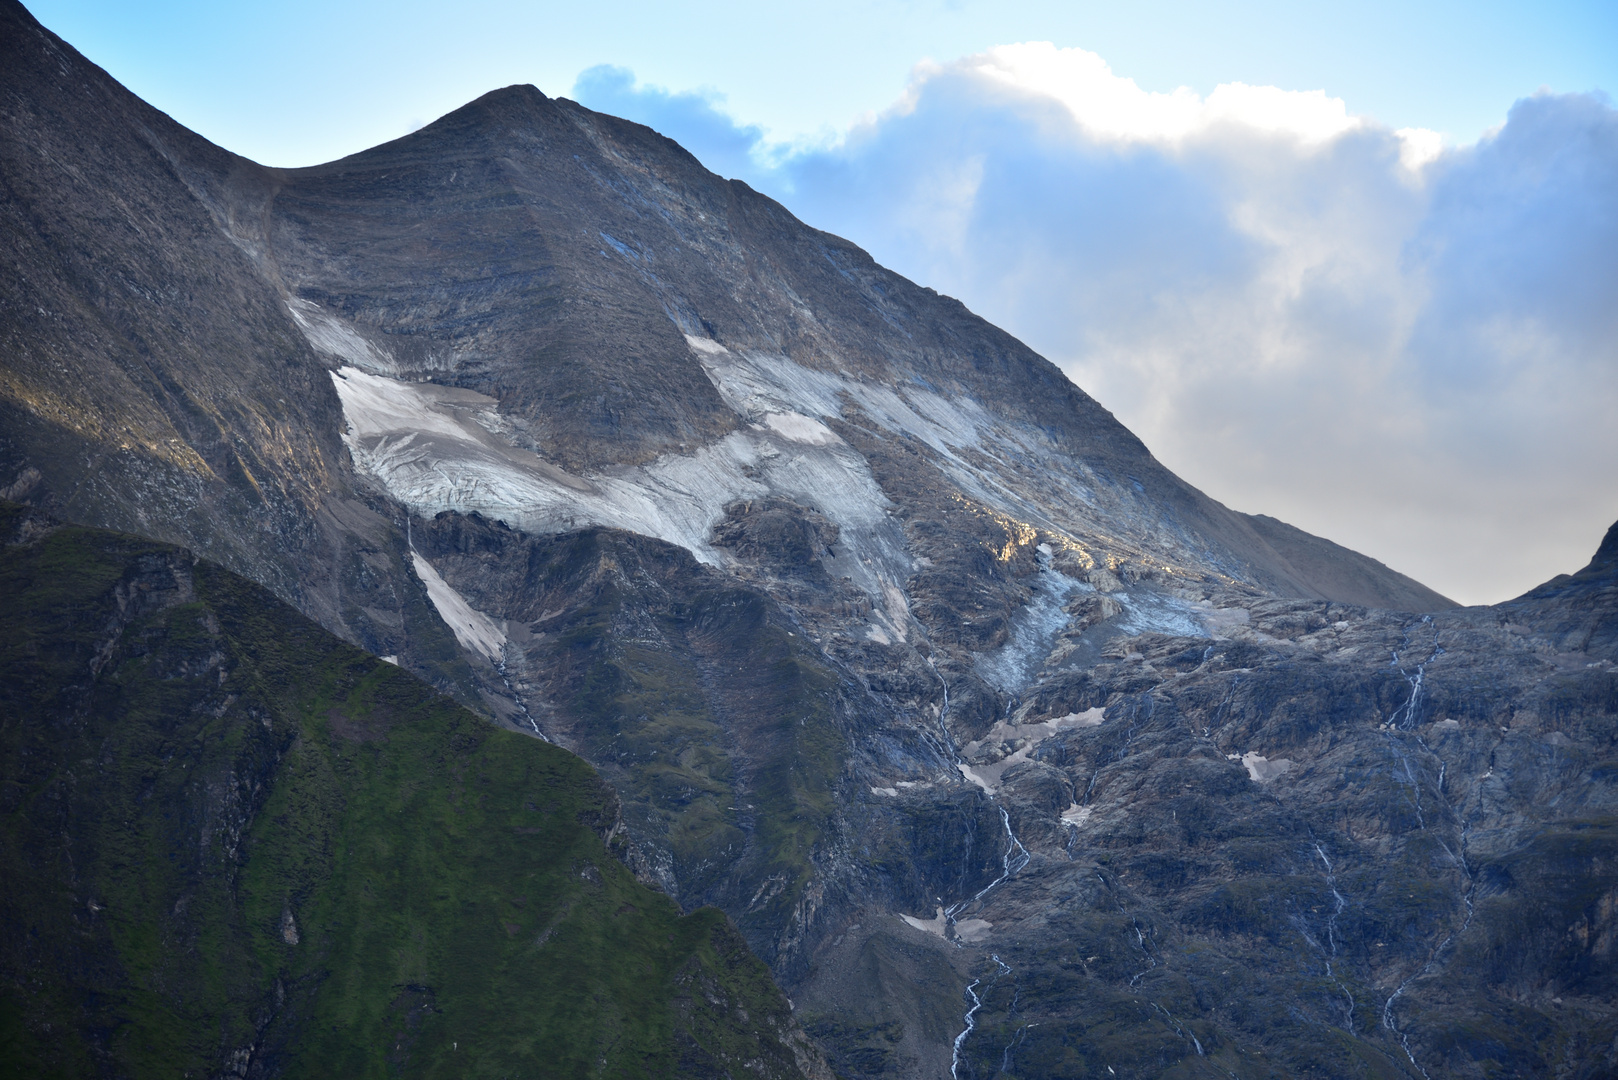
{"points": [[1419, 147], [1107, 106], [1410, 349]]}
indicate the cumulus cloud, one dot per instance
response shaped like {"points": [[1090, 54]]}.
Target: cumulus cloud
{"points": [[1412, 350], [1108, 106]]}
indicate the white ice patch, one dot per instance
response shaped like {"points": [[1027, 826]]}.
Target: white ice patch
{"points": [[473, 629], [1147, 611], [1013, 467], [1026, 738], [934, 925], [897, 609], [1262, 770], [1077, 815], [330, 335], [706, 345], [758, 385], [800, 428], [439, 448], [973, 930], [891, 793]]}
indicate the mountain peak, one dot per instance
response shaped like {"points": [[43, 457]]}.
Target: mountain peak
{"points": [[1606, 556], [519, 100]]}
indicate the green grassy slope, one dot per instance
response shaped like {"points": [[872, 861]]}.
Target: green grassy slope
{"points": [[234, 844], [723, 731]]}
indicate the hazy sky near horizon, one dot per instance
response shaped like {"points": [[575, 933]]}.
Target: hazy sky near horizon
{"points": [[1355, 269]]}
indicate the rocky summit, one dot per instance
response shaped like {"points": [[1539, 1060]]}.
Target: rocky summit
{"points": [[891, 643]]}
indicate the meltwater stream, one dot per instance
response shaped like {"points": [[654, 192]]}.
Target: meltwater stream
{"points": [[1331, 933], [1015, 858], [1402, 723], [971, 1014]]}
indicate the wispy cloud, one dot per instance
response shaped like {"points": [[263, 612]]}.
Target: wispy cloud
{"points": [[1410, 349]]}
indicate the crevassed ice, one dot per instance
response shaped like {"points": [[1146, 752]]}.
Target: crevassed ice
{"points": [[1155, 613]]}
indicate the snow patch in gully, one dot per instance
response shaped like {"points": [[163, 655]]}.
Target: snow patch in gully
{"points": [[474, 630], [1025, 738], [935, 925], [1260, 769], [330, 335]]}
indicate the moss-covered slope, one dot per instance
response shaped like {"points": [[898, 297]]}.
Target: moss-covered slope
{"points": [[723, 730], [234, 845]]}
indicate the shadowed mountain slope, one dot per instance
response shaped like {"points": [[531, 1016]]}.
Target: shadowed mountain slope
{"points": [[153, 381], [235, 846], [1389, 849]]}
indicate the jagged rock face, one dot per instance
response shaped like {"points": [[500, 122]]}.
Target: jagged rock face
{"points": [[894, 643], [1335, 842]]}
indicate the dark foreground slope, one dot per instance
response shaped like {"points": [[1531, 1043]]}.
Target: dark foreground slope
{"points": [[233, 845]]}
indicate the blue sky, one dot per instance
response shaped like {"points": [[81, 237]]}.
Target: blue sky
{"points": [[1355, 266], [300, 81]]}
